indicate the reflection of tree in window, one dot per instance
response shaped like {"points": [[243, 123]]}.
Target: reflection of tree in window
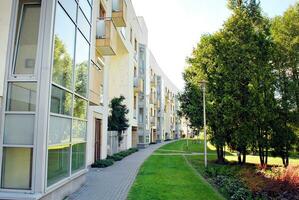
{"points": [[81, 78], [62, 69], [80, 108]]}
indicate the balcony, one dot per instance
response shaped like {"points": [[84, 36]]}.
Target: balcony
{"points": [[119, 13], [138, 85], [106, 37]]}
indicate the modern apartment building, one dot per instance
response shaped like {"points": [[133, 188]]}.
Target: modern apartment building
{"points": [[158, 107], [61, 62]]}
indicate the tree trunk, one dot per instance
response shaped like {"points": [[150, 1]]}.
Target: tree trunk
{"points": [[239, 158], [244, 157]]}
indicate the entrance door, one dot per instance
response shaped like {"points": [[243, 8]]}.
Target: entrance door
{"points": [[97, 149]]}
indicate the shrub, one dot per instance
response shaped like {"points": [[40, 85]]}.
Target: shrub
{"points": [[121, 155], [102, 163], [116, 157]]}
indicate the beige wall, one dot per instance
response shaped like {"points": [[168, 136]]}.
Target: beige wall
{"points": [[5, 13]]}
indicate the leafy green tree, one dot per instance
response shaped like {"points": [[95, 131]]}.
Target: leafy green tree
{"points": [[285, 33], [191, 106], [117, 120]]}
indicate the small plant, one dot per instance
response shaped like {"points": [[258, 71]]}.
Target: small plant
{"points": [[102, 163]]}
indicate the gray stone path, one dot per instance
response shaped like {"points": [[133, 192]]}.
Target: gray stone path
{"points": [[114, 183]]}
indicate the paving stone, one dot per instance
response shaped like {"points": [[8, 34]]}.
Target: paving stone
{"points": [[114, 182]]}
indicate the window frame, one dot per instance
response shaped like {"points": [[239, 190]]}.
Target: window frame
{"points": [[16, 40]]}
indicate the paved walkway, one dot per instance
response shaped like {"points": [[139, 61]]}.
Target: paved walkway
{"points": [[114, 183]]}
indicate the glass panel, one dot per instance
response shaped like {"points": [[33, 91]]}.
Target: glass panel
{"points": [[79, 131], [61, 101], [63, 49], [80, 108], [82, 63], [86, 8], [21, 97], [78, 156], [19, 129], [71, 8], [83, 25], [60, 130], [27, 37], [58, 163], [16, 168]]}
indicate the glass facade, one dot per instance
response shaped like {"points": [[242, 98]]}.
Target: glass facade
{"points": [[68, 117], [21, 99]]}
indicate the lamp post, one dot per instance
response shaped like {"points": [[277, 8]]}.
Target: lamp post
{"points": [[203, 83]]}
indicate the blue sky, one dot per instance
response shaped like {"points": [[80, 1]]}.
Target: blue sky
{"points": [[175, 27]]}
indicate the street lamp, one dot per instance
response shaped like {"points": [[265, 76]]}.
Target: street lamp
{"points": [[203, 84]]}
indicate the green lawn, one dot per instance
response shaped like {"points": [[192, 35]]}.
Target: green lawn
{"points": [[182, 146], [170, 177], [167, 176]]}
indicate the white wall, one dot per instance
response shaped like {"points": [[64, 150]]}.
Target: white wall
{"points": [[5, 13]]}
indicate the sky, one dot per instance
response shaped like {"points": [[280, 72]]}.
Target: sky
{"points": [[175, 27]]}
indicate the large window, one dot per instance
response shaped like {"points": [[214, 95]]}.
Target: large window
{"points": [[64, 48], [82, 64], [26, 37], [20, 108], [68, 117], [16, 168]]}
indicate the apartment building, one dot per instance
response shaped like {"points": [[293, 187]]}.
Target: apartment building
{"points": [[160, 105], [61, 62]]}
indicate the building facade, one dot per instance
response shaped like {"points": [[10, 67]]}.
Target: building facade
{"points": [[61, 63]]}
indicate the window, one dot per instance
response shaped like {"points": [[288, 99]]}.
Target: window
{"points": [[58, 163], [83, 25], [71, 8], [21, 97], [82, 63], [16, 168], [85, 8], [68, 117], [79, 131], [60, 130], [19, 129], [131, 35], [78, 156], [27, 37], [80, 108], [61, 101], [63, 49]]}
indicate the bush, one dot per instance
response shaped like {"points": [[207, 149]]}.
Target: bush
{"points": [[121, 155], [228, 184], [102, 163]]}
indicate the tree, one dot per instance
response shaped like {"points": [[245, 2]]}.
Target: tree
{"points": [[285, 33], [191, 100], [236, 61], [117, 120]]}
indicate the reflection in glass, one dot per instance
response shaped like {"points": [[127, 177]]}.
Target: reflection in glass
{"points": [[86, 8], [61, 101], [82, 63], [83, 25], [80, 108], [71, 8], [63, 49], [58, 163], [79, 131], [16, 168], [78, 157], [27, 37], [21, 97], [19, 129], [60, 130]]}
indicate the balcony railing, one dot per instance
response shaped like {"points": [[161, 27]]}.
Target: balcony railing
{"points": [[106, 35], [119, 13]]}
